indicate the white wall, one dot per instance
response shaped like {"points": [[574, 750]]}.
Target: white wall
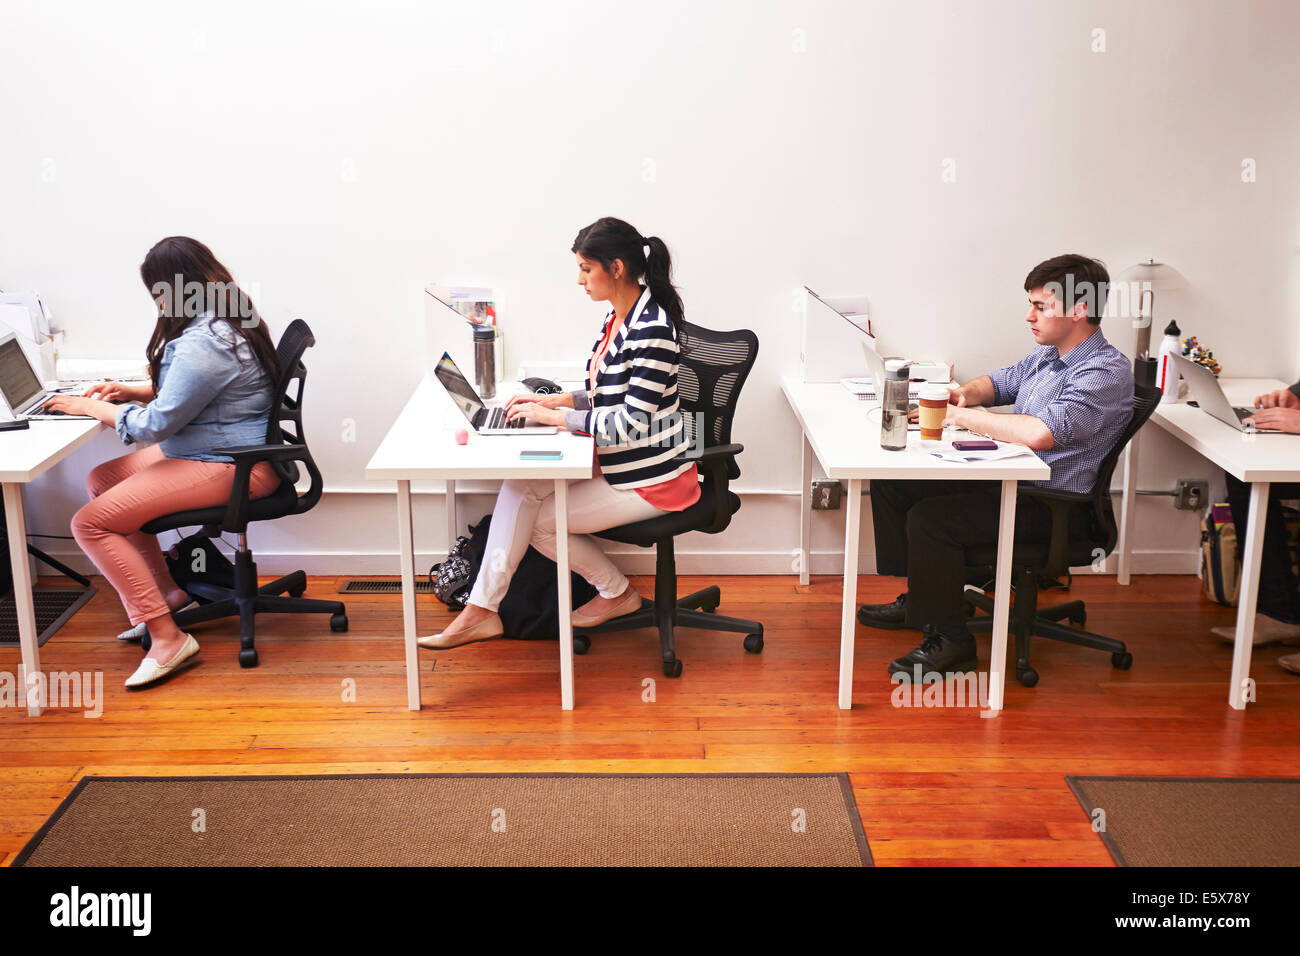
{"points": [[339, 156]]}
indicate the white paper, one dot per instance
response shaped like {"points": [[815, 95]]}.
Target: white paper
{"points": [[943, 450]]}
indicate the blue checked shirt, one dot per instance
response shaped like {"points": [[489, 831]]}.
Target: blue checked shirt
{"points": [[1084, 397]]}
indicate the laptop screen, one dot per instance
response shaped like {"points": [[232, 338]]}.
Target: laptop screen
{"points": [[462, 393], [17, 380]]}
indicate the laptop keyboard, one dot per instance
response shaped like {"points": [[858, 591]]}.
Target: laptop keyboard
{"points": [[498, 420]]}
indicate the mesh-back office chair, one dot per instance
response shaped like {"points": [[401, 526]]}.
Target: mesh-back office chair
{"points": [[1069, 547], [712, 369], [284, 446]]}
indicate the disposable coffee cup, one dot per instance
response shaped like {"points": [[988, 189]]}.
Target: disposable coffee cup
{"points": [[934, 409]]}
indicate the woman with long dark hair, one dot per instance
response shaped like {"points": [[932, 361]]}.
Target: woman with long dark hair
{"points": [[212, 372], [629, 406]]}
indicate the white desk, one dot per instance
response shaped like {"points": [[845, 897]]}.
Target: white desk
{"points": [[25, 456], [421, 445], [844, 434], [1259, 460]]}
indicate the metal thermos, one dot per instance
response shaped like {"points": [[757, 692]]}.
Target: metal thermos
{"points": [[893, 406], [485, 360]]}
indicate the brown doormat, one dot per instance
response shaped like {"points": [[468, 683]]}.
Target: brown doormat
{"points": [[456, 820], [1194, 821]]}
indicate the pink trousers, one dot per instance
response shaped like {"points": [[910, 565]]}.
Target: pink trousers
{"points": [[129, 492]]}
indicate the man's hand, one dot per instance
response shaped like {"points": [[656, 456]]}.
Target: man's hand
{"points": [[1282, 419], [963, 395], [1282, 398]]}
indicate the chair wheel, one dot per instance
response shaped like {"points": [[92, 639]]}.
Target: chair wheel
{"points": [[581, 643], [297, 592], [338, 622], [1121, 661], [146, 642], [754, 643], [1081, 618], [672, 668], [248, 657], [1028, 677]]}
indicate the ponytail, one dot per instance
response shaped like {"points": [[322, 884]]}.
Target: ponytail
{"points": [[658, 276]]}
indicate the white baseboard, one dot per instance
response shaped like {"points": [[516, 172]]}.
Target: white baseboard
{"points": [[641, 561]]}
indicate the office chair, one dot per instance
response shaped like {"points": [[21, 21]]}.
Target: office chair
{"points": [[284, 446], [712, 369], [1068, 547]]}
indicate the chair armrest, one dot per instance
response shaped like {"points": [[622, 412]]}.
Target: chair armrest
{"points": [[714, 461], [246, 456], [1060, 503]]}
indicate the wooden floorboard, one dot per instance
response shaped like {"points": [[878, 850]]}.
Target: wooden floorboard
{"points": [[933, 785]]}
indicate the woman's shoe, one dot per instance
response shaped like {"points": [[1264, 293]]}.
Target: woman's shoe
{"points": [[484, 630], [141, 629], [1268, 630], [631, 602], [150, 670]]}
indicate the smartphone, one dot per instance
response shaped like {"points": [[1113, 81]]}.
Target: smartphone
{"points": [[544, 455], [982, 445], [15, 425]]}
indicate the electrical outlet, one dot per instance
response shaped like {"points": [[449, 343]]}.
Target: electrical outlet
{"points": [[1191, 494], [826, 495]]}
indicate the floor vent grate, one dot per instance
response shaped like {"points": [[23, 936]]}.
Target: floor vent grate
{"points": [[422, 586]]}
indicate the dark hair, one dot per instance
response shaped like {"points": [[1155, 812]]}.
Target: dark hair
{"points": [[608, 239], [1072, 279], [187, 276]]}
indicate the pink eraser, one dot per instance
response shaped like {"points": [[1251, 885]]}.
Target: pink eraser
{"points": [[462, 436]]}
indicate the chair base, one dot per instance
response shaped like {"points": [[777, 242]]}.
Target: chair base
{"points": [[246, 600], [668, 612], [1028, 621]]}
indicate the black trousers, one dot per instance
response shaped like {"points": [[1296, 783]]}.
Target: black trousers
{"points": [[1277, 583], [925, 531]]}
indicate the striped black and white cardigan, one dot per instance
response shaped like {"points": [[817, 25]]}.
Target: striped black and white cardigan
{"points": [[633, 413]]}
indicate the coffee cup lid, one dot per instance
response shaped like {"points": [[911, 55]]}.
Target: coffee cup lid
{"points": [[933, 392]]}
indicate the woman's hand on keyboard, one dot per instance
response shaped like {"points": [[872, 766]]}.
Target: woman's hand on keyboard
{"points": [[556, 400], [535, 412], [117, 392]]}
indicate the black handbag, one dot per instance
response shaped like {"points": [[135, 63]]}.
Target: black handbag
{"points": [[531, 607]]}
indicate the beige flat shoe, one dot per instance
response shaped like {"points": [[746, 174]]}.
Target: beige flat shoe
{"points": [[141, 629], [150, 670], [1268, 630], [631, 602], [484, 630], [1291, 662]]}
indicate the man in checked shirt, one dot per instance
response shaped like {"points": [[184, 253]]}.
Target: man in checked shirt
{"points": [[1073, 397]]}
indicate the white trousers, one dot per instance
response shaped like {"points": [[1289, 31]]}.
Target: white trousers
{"points": [[525, 514]]}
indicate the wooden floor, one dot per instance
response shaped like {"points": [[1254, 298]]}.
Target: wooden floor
{"points": [[933, 785]]}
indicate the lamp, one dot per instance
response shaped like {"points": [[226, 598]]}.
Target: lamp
{"points": [[1146, 278]]}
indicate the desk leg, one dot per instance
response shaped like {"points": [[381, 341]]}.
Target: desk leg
{"points": [[33, 684], [1248, 596], [406, 544], [848, 613], [1002, 597], [564, 592], [1126, 508], [453, 527], [805, 512]]}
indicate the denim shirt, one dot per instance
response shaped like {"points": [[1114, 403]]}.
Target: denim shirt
{"points": [[212, 393]]}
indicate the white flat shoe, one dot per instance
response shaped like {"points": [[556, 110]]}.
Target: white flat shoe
{"points": [[150, 670], [141, 629]]}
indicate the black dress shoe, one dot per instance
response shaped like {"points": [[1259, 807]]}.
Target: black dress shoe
{"points": [[889, 617], [939, 654]]}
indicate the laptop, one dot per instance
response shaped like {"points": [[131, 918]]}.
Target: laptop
{"points": [[1209, 396], [484, 420], [21, 386]]}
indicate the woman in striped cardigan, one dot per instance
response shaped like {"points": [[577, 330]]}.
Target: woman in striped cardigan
{"points": [[629, 406]]}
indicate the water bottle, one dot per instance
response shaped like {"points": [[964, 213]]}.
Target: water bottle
{"points": [[485, 364], [1167, 370], [893, 406]]}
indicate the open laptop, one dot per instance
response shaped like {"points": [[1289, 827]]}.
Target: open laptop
{"points": [[484, 420], [1209, 396], [21, 386]]}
